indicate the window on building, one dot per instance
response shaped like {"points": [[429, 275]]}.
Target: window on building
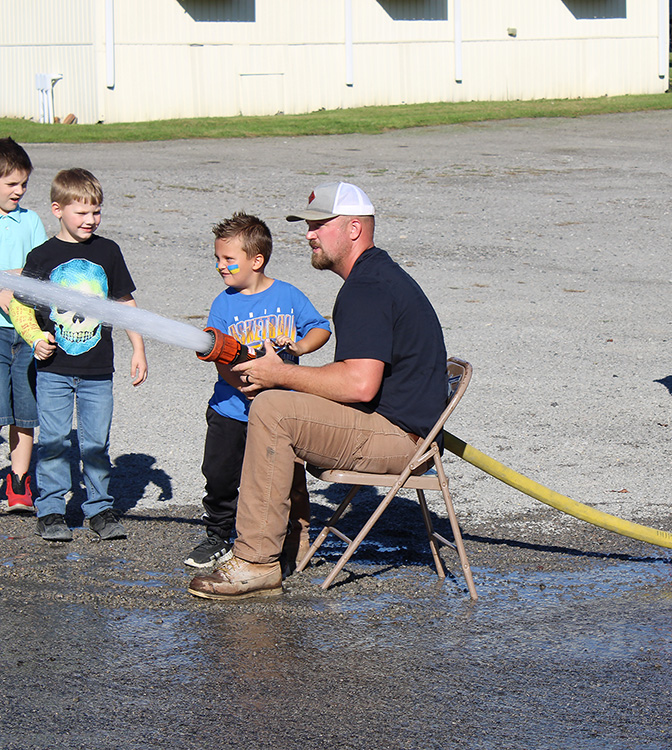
{"points": [[416, 10], [220, 10], [597, 8]]}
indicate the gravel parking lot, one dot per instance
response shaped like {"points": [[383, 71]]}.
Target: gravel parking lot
{"points": [[544, 246]]}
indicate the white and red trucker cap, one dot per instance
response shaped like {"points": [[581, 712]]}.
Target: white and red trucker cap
{"points": [[335, 199]]}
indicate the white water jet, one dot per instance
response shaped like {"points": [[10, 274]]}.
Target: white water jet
{"points": [[108, 311]]}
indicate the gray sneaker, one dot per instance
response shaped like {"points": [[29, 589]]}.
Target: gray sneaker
{"points": [[209, 551], [107, 525], [53, 528]]}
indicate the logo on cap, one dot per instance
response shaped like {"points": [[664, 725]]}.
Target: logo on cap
{"points": [[311, 198]]}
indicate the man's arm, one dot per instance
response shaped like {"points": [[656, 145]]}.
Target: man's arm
{"points": [[351, 381]]}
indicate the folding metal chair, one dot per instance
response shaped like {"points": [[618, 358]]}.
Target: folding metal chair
{"points": [[459, 375]]}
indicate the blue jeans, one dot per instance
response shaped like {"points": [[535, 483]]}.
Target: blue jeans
{"points": [[56, 399], [17, 381]]}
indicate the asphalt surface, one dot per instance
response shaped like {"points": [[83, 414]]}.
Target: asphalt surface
{"points": [[544, 247]]}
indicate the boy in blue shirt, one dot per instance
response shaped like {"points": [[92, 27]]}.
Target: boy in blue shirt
{"points": [[252, 309], [74, 357], [20, 231]]}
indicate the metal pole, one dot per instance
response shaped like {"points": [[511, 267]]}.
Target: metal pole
{"points": [[109, 43], [663, 38], [349, 67], [457, 20]]}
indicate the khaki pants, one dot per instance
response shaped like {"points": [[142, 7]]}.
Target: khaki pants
{"points": [[285, 425]]}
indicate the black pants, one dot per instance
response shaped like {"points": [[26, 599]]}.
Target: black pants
{"points": [[222, 463]]}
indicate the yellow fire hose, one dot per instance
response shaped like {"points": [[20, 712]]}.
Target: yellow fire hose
{"points": [[552, 498]]}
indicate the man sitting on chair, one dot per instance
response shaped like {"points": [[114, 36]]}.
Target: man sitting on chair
{"points": [[364, 412]]}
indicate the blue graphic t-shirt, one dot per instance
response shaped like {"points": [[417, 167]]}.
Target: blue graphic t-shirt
{"points": [[280, 310], [84, 344]]}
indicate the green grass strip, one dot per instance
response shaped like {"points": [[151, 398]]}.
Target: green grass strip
{"points": [[366, 120]]}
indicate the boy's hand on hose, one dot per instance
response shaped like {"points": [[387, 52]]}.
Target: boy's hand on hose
{"points": [[44, 349], [5, 298], [290, 346]]}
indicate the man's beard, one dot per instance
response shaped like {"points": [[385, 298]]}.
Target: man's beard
{"points": [[321, 262]]}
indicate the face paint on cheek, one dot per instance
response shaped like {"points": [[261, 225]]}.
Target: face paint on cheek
{"points": [[235, 268]]}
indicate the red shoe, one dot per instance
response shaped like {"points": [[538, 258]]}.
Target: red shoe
{"points": [[19, 495]]}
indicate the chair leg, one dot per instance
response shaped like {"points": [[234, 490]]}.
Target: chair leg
{"points": [[438, 564], [328, 528], [455, 526], [343, 559]]}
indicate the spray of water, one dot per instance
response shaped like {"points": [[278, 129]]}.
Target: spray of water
{"points": [[130, 318]]}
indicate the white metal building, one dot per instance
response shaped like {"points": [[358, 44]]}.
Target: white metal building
{"points": [[133, 60]]}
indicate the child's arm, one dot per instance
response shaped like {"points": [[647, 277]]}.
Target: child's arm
{"points": [[6, 294], [232, 378], [138, 359], [5, 299], [24, 320], [314, 339]]}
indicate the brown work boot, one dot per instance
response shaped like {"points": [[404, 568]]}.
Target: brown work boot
{"points": [[239, 579]]}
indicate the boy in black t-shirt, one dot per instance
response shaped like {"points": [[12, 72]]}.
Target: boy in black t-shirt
{"points": [[74, 357]]}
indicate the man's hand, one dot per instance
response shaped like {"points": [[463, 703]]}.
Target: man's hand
{"points": [[351, 381], [260, 373]]}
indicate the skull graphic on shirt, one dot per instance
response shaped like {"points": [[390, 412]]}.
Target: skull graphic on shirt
{"points": [[76, 333]]}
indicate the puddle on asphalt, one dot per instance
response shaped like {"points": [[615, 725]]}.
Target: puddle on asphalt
{"points": [[370, 546], [532, 586], [603, 580], [158, 640], [527, 598], [604, 614]]}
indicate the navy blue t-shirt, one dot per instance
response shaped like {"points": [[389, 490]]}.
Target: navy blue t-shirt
{"points": [[382, 313]]}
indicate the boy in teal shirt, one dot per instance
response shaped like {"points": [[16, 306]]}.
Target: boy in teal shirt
{"points": [[20, 231]]}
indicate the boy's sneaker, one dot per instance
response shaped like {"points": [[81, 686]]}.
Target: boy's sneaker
{"points": [[107, 525], [212, 549], [53, 528], [19, 496]]}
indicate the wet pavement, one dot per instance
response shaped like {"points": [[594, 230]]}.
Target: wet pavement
{"points": [[568, 646]]}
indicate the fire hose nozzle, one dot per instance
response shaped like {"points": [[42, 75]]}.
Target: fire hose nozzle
{"points": [[226, 349]]}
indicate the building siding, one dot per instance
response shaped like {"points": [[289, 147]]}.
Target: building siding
{"points": [[194, 58]]}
